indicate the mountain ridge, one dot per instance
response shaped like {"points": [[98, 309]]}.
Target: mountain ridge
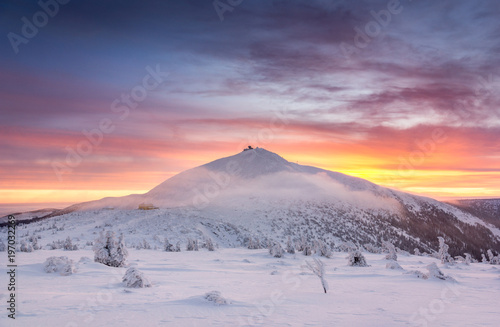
{"points": [[257, 193]]}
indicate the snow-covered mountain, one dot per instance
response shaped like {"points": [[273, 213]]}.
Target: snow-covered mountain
{"points": [[257, 193]]}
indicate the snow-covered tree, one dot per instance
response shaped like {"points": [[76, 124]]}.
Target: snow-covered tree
{"points": [[168, 247], [34, 242], [468, 259], [307, 250], [178, 246], [253, 244], [62, 265], [435, 272], [289, 246], [357, 259], [392, 251], [276, 250], [109, 251], [145, 244], [301, 244], [26, 247], [318, 268], [192, 245], [483, 258], [443, 254], [69, 246], [135, 278], [494, 260], [323, 249], [416, 251], [209, 244]]}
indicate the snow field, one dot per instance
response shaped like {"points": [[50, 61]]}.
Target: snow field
{"points": [[260, 291]]}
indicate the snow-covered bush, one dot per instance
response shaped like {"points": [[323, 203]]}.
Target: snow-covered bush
{"points": [[253, 244], [69, 246], [416, 251], [62, 265], [209, 244], [318, 268], [135, 278], [307, 250], [26, 247], [494, 260], [216, 298], [392, 251], [483, 258], [145, 244], [289, 246], [443, 254], [300, 244], [393, 265], [192, 245], [168, 246], [3, 248], [178, 246], [356, 259], [468, 259], [435, 272], [109, 251], [276, 250], [323, 249]]}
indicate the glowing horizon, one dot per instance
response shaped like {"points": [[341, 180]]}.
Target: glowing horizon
{"points": [[143, 92]]}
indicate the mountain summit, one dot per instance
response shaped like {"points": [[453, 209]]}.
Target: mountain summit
{"points": [[259, 193]]}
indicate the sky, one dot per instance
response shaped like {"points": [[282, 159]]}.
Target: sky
{"points": [[109, 98]]}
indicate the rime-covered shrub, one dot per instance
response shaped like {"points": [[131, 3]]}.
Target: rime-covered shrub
{"points": [[494, 260], [135, 279], [215, 297], [416, 251], [276, 250], [253, 244], [168, 246], [443, 254], [301, 244], [69, 246], [209, 244], [356, 259], [26, 247], [192, 245], [145, 244], [392, 251], [307, 250], [318, 268], [393, 265], [435, 272], [62, 265], [178, 246], [468, 259], [290, 248], [110, 251], [323, 249]]}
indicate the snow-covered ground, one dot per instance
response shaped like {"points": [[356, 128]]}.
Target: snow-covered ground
{"points": [[259, 289]]}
